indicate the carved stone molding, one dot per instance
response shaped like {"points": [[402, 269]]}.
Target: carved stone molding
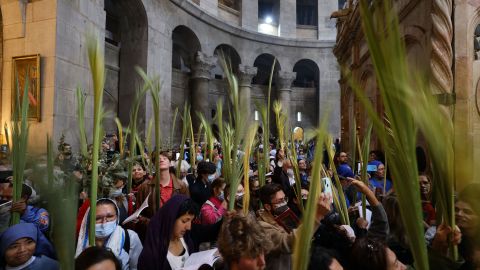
{"points": [[202, 66], [246, 74], [285, 80], [441, 59]]}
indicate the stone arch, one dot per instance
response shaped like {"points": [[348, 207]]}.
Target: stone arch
{"points": [[263, 63], [126, 46], [231, 56], [307, 88], [308, 73], [185, 44]]}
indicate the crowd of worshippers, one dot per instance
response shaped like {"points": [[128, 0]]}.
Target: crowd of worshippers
{"points": [[193, 217]]}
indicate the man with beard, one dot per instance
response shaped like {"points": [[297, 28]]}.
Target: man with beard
{"points": [[274, 207]]}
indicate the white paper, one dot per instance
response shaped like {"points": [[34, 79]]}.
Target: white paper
{"points": [[195, 260], [5, 207], [139, 210], [369, 213]]}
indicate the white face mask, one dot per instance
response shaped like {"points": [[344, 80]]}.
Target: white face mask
{"points": [[117, 192]]}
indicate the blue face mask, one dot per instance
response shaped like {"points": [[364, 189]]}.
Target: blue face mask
{"points": [[211, 177], [105, 229], [199, 158], [221, 196]]}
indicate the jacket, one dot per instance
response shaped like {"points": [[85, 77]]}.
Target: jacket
{"points": [[280, 257]]}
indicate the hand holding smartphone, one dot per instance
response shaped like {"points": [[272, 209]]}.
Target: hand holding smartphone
{"points": [[327, 187]]}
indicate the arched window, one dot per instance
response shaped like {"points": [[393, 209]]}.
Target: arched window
{"points": [[185, 45], [126, 46], [231, 56], [263, 63]]}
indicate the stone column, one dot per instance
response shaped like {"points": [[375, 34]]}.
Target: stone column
{"points": [[249, 15], [245, 75], [199, 80], [284, 83], [288, 18]]}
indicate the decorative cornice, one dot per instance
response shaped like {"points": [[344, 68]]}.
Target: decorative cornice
{"points": [[216, 23], [202, 65], [246, 74], [441, 58]]}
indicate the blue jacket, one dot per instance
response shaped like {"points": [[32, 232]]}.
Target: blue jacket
{"points": [[37, 216]]}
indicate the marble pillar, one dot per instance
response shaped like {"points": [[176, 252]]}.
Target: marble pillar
{"points": [[284, 87], [245, 75], [199, 81]]}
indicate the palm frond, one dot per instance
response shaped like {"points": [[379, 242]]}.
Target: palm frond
{"points": [[121, 138], [81, 99], [97, 68], [249, 141], [381, 29], [301, 251]]}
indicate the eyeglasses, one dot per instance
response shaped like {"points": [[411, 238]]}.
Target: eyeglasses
{"points": [[103, 219]]}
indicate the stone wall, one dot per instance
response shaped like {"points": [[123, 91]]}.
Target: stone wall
{"points": [[57, 29], [30, 29]]}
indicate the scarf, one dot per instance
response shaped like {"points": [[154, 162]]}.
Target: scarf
{"points": [[25, 230], [114, 242]]}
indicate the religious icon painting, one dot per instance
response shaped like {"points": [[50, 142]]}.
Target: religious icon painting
{"points": [[26, 72]]}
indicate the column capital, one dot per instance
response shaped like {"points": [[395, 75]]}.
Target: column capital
{"points": [[202, 65], [285, 80], [246, 74]]}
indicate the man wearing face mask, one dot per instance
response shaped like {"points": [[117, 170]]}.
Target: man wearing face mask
{"points": [[116, 193], [275, 204], [201, 190]]}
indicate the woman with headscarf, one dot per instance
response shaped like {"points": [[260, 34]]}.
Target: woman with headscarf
{"points": [[23, 246], [125, 244], [168, 243]]}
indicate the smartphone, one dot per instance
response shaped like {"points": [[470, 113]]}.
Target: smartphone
{"points": [[327, 187], [371, 168]]}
